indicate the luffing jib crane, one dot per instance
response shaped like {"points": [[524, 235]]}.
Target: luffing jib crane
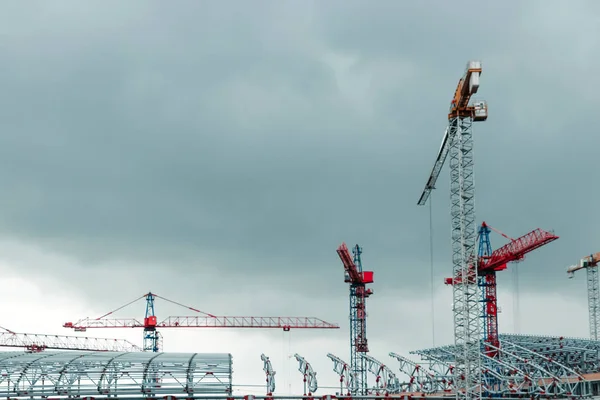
{"points": [[36, 342], [458, 143], [358, 279], [590, 264], [150, 324], [488, 263]]}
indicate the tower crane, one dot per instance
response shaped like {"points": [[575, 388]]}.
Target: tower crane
{"points": [[590, 264], [488, 263], [150, 323], [36, 342], [358, 279], [458, 142]]}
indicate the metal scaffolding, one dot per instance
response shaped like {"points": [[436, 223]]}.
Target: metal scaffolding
{"points": [[525, 365], [83, 374]]}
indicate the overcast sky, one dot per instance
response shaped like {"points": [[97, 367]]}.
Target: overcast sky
{"points": [[217, 153]]}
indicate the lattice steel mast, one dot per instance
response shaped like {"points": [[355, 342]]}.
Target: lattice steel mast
{"points": [[309, 376], [590, 263], [354, 274], [458, 142]]}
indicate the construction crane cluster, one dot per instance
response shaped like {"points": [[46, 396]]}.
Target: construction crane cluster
{"points": [[481, 363]]}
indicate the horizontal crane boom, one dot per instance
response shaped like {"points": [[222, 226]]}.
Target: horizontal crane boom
{"points": [[207, 322], [39, 342]]}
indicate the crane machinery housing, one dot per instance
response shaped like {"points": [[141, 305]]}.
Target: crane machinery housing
{"points": [[358, 279], [590, 264], [458, 143], [150, 324]]}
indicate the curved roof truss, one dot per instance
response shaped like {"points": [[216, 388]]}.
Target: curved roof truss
{"points": [[113, 373]]}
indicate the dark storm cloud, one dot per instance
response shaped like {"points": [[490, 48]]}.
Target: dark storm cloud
{"points": [[172, 136]]}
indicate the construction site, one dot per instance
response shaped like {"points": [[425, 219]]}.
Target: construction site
{"points": [[482, 363]]}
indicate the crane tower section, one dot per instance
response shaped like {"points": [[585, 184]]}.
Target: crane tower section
{"points": [[590, 264], [358, 279], [458, 143]]}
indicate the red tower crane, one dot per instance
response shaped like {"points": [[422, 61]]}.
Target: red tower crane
{"points": [[488, 263], [150, 324], [357, 278]]}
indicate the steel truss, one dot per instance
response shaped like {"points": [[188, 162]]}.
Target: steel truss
{"points": [[457, 145], [525, 365], [465, 295], [38, 342], [582, 355], [386, 381], [88, 374], [431, 377], [308, 374], [270, 374], [344, 371], [593, 301]]}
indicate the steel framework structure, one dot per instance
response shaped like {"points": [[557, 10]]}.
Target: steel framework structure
{"points": [[344, 371], [386, 381], [309, 376], [458, 144], [270, 374], [590, 263], [528, 366], [88, 374], [593, 301], [359, 346]]}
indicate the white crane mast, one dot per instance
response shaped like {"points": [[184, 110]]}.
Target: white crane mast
{"points": [[458, 143]]}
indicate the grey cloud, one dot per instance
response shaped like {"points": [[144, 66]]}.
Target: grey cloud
{"points": [[198, 139]]}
